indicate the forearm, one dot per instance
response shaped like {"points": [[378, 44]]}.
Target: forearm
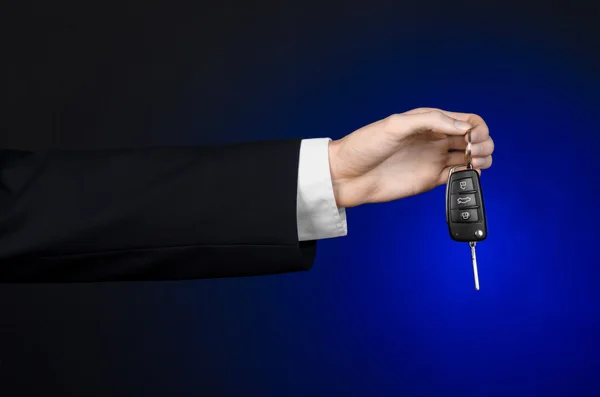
{"points": [[72, 216]]}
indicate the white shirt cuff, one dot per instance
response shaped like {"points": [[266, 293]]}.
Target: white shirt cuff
{"points": [[318, 216]]}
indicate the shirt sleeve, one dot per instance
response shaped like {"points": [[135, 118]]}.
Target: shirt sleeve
{"points": [[318, 216]]}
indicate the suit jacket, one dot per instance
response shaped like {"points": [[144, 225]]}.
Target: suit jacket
{"points": [[165, 213]]}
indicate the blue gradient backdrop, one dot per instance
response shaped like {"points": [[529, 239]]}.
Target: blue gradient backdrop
{"points": [[389, 310]]}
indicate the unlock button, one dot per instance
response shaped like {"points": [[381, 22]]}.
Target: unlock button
{"points": [[465, 216]]}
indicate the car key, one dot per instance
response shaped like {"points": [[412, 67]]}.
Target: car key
{"points": [[465, 211]]}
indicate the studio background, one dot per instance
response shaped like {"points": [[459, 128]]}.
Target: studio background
{"points": [[389, 310]]}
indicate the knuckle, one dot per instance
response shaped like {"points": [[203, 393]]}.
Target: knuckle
{"points": [[393, 120], [423, 110], [437, 115], [481, 149], [477, 119]]}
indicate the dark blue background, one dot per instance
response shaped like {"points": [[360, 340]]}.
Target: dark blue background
{"points": [[389, 310]]}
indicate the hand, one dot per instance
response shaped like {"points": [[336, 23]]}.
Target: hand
{"points": [[404, 155]]}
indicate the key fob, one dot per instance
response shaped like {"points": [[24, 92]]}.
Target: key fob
{"points": [[465, 211]]}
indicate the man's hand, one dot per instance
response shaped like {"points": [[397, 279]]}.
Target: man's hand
{"points": [[404, 155]]}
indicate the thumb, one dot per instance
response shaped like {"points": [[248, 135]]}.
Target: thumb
{"points": [[438, 122]]}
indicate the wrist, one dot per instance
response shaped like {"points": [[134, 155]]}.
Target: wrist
{"points": [[338, 182]]}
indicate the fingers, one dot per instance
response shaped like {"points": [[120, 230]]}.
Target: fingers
{"points": [[479, 134], [402, 125], [482, 145], [482, 149], [481, 131], [456, 158], [482, 163], [457, 143]]}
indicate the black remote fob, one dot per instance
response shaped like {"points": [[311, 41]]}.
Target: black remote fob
{"points": [[465, 212]]}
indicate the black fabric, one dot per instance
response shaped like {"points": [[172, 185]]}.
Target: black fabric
{"points": [[162, 213]]}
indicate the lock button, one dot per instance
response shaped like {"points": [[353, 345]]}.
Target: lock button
{"points": [[462, 185]]}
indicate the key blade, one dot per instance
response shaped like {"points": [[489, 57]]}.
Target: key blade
{"points": [[474, 261]]}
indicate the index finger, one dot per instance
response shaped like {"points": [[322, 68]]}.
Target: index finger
{"points": [[479, 133]]}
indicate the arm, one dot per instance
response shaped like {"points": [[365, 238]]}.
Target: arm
{"points": [[193, 212], [149, 214]]}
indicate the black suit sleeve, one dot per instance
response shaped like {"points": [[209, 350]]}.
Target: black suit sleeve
{"points": [[167, 213]]}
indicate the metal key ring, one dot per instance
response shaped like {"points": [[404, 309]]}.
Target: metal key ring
{"points": [[468, 150]]}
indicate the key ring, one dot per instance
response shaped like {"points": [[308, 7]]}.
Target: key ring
{"points": [[468, 150], [467, 165]]}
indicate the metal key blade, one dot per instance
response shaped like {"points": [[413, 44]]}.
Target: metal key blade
{"points": [[474, 260]]}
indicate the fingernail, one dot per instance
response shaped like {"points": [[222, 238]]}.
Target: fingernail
{"points": [[461, 125]]}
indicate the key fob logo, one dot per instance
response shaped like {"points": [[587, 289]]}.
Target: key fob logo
{"points": [[465, 215], [463, 200], [463, 185]]}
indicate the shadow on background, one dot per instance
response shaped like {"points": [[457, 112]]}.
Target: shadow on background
{"points": [[389, 310]]}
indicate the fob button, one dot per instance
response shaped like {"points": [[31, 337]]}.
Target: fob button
{"points": [[462, 185], [465, 216], [463, 201]]}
